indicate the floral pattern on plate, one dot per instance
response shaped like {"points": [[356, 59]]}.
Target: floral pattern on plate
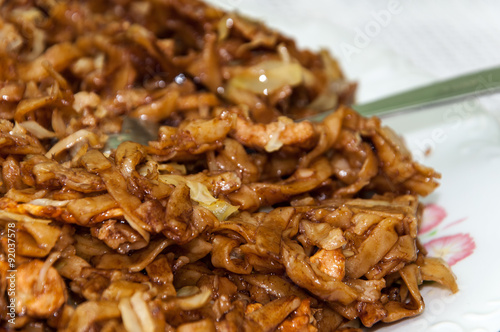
{"points": [[451, 248]]}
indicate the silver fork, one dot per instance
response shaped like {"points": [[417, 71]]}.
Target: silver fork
{"points": [[461, 87]]}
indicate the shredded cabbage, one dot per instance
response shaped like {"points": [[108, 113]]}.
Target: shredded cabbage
{"points": [[268, 76], [200, 194], [37, 130]]}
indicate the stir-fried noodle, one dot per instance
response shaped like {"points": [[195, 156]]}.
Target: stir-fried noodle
{"points": [[235, 218]]}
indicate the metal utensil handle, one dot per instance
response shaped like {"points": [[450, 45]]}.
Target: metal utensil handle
{"points": [[474, 84]]}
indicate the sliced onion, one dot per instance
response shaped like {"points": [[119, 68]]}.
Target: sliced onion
{"points": [[48, 202], [142, 311], [136, 315], [130, 320], [200, 194], [268, 76], [71, 140], [37, 130], [5, 215]]}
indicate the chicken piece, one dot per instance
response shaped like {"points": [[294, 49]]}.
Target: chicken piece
{"points": [[304, 273], [50, 174], [192, 138], [160, 273], [300, 320], [14, 140], [273, 136], [119, 236], [39, 292], [331, 262]]}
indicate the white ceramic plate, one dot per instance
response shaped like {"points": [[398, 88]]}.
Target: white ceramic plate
{"points": [[460, 224], [461, 141]]}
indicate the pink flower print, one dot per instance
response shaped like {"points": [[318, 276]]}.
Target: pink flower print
{"points": [[452, 248], [433, 216]]}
